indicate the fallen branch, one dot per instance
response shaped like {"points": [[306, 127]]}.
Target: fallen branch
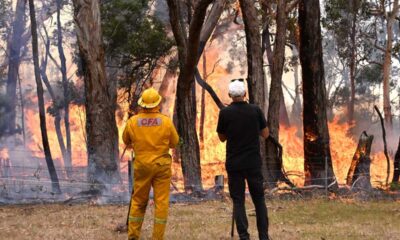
{"points": [[309, 187]]}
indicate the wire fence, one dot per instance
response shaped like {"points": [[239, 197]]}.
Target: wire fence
{"points": [[32, 181]]}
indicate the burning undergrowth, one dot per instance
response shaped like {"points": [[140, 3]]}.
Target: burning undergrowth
{"points": [[24, 176]]}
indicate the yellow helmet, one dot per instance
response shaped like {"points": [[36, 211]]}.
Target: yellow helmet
{"points": [[150, 98]]}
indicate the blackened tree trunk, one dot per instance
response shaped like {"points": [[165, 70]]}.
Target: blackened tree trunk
{"points": [[65, 85], [358, 176], [317, 156], [273, 163], [42, 112], [15, 46], [396, 171], [188, 49], [101, 129]]}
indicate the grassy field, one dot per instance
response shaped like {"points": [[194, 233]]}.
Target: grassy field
{"points": [[289, 219]]}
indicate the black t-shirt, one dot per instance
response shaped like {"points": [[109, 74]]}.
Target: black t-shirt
{"points": [[242, 123]]}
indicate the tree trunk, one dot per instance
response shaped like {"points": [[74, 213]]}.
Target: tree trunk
{"points": [[387, 66], [273, 164], [203, 103], [65, 85], [317, 156], [22, 110], [56, 113], [207, 30], [296, 108], [255, 72], [358, 176], [283, 113], [42, 112], [255, 67], [101, 129], [15, 46], [353, 63], [167, 79], [189, 150], [396, 171], [188, 52]]}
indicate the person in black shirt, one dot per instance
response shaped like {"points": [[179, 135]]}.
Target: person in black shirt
{"points": [[241, 124]]}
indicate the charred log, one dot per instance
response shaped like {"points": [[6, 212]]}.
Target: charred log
{"points": [[396, 171], [358, 176]]}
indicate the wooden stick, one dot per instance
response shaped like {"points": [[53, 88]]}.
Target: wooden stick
{"points": [[384, 144], [233, 223]]}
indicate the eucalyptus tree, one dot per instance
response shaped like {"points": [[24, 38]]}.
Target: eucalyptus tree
{"points": [[343, 19], [317, 156], [101, 129]]}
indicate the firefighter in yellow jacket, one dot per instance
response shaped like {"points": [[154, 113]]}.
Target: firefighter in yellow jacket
{"points": [[151, 134]]}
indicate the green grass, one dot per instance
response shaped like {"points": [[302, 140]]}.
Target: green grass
{"points": [[289, 219]]}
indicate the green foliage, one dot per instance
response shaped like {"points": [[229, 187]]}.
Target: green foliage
{"points": [[395, 186], [133, 37], [370, 74], [339, 19], [5, 9]]}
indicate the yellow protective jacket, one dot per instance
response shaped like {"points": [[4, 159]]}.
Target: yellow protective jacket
{"points": [[151, 134]]}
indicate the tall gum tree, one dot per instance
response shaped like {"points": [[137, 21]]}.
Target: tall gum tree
{"points": [[101, 129], [390, 17], [188, 52], [273, 162], [317, 156]]}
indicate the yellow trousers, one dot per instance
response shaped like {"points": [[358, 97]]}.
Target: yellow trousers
{"points": [[146, 176]]}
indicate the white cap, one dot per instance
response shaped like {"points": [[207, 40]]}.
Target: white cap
{"points": [[237, 89]]}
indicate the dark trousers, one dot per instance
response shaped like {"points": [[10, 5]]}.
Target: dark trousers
{"points": [[237, 188]]}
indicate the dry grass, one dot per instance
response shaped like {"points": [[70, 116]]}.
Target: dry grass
{"points": [[311, 219]]}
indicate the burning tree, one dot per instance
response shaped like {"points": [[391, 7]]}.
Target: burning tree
{"points": [[317, 155], [101, 129]]}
